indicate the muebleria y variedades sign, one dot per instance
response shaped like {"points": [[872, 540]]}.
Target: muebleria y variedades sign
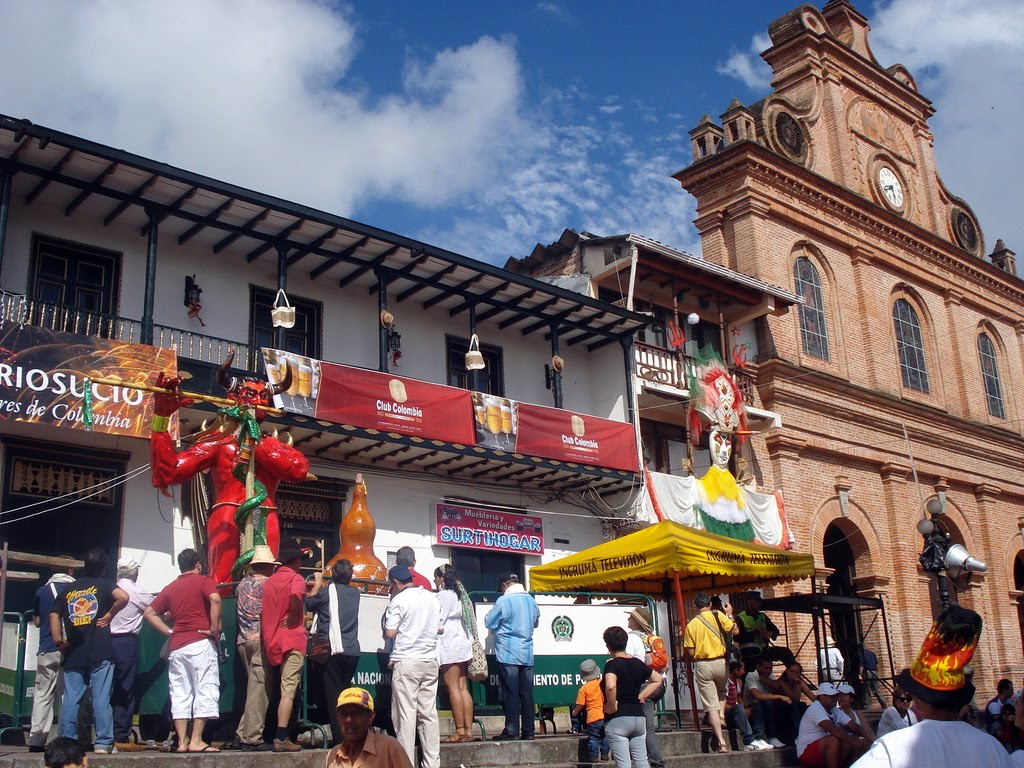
{"points": [[43, 375], [459, 525]]}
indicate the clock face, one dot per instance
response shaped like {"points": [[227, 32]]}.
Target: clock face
{"points": [[892, 189]]}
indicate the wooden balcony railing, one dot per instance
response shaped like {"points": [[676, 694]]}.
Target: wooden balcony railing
{"points": [[665, 366], [59, 317]]}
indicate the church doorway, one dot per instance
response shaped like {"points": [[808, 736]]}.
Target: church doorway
{"points": [[839, 556]]}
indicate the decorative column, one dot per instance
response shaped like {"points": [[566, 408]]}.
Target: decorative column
{"points": [[911, 584], [149, 294]]}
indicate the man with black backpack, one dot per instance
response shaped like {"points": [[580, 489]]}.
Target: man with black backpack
{"points": [[643, 644]]}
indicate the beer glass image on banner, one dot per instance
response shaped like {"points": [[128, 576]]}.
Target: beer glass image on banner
{"points": [[497, 421], [302, 392]]}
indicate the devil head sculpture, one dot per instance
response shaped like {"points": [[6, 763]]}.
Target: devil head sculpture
{"points": [[251, 392]]}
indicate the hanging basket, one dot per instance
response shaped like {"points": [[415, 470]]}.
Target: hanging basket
{"points": [[283, 314], [474, 358]]}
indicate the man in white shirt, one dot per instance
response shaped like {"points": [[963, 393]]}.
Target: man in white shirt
{"points": [[124, 637], [820, 742], [412, 619], [761, 691], [831, 663], [940, 688]]}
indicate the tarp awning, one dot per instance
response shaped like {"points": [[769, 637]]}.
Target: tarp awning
{"points": [[641, 561]]}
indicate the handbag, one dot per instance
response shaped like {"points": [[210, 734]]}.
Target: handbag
{"points": [[732, 653], [478, 662]]}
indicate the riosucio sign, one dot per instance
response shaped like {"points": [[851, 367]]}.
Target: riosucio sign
{"points": [[43, 375], [476, 528]]}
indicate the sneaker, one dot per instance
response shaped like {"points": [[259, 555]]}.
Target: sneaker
{"points": [[128, 746], [286, 745], [774, 742], [762, 745], [104, 750], [751, 747]]}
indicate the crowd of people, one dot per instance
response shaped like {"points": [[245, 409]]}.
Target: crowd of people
{"points": [[89, 655]]}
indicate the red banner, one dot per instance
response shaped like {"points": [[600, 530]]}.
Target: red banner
{"points": [[43, 373], [566, 436], [375, 400], [474, 528]]}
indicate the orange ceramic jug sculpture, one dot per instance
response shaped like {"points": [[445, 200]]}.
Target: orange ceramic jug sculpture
{"points": [[357, 532]]}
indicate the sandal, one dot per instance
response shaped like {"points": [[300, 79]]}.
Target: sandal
{"points": [[455, 738], [467, 737]]}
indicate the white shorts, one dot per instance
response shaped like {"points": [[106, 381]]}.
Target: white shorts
{"points": [[194, 681]]}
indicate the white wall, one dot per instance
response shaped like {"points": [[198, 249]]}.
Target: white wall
{"points": [[153, 530]]}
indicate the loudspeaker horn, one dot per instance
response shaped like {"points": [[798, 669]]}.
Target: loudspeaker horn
{"points": [[959, 559]]}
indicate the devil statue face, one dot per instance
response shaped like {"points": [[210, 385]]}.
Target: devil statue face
{"points": [[251, 392]]}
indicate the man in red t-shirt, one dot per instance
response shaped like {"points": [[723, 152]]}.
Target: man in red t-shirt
{"points": [[283, 629], [193, 605]]}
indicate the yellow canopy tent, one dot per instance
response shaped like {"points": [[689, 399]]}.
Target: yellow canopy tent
{"points": [[641, 561], [649, 560]]}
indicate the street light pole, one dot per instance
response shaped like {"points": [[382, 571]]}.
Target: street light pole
{"points": [[940, 554], [936, 545]]}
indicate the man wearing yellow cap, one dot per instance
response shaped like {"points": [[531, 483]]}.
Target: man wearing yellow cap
{"points": [[940, 688], [362, 748]]}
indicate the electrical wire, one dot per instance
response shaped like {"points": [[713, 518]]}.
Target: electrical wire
{"points": [[100, 487]]}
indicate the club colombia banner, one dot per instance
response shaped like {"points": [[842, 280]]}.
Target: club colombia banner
{"points": [[43, 372], [370, 399], [554, 433]]}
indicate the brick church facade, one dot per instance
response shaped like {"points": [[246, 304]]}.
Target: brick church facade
{"points": [[899, 379]]}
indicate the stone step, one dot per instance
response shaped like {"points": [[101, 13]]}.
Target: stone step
{"points": [[682, 750]]}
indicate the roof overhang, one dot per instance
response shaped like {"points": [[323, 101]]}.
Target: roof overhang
{"points": [[243, 227]]}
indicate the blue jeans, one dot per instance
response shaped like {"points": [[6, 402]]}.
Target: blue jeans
{"points": [[517, 698], [597, 740], [99, 678], [627, 737], [750, 728]]}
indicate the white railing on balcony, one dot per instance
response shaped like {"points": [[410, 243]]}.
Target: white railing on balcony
{"points": [[58, 317], [668, 367], [660, 365]]}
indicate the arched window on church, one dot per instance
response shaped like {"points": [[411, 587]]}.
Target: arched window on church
{"points": [[910, 346], [813, 331], [990, 376]]}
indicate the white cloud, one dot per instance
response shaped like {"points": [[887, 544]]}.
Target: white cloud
{"points": [[258, 92], [748, 66]]}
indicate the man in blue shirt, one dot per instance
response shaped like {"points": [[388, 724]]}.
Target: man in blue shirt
{"points": [[512, 619], [49, 680]]}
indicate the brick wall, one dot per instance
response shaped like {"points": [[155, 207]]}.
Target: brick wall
{"points": [[849, 421]]}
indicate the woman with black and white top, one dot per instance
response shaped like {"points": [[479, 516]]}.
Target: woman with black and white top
{"points": [[627, 684], [336, 610], [899, 715]]}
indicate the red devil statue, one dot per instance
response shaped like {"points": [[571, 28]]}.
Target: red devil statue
{"points": [[245, 464]]}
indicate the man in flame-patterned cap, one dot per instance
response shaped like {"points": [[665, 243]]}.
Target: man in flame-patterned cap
{"points": [[940, 688]]}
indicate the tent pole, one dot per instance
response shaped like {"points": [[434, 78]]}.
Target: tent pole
{"points": [[676, 648], [681, 606]]}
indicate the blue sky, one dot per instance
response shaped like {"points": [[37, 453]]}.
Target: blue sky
{"points": [[484, 127]]}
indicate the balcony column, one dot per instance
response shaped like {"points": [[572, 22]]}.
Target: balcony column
{"points": [[382, 332], [5, 206], [556, 373], [473, 377], [150, 287], [629, 358], [280, 342]]}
